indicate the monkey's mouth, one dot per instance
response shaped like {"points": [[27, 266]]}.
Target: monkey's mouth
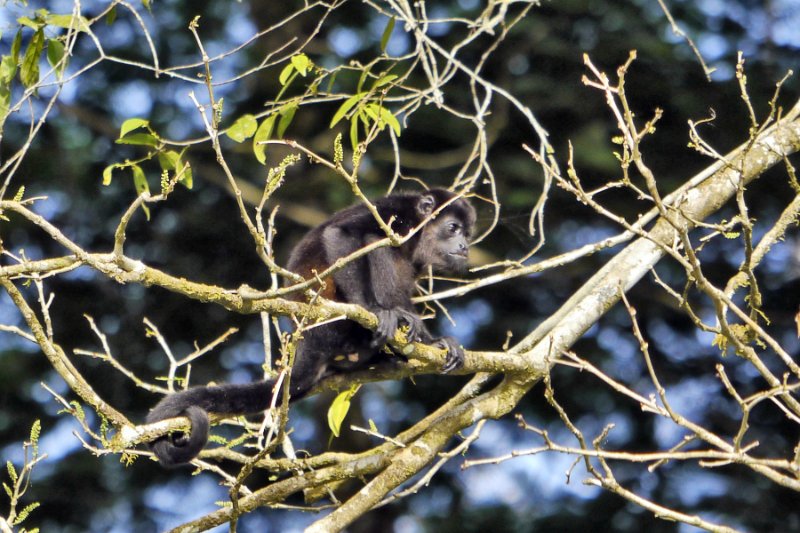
{"points": [[459, 255]]}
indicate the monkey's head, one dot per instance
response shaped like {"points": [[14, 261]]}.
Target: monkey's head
{"points": [[444, 241]]}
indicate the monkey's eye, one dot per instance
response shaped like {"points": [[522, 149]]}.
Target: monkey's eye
{"points": [[453, 228]]}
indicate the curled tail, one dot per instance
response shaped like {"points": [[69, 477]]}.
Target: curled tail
{"points": [[180, 448], [195, 404]]}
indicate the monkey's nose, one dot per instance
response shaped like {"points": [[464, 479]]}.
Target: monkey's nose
{"points": [[461, 251]]}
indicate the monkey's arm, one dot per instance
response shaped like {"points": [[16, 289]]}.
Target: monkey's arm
{"points": [[383, 282], [373, 282], [392, 282]]}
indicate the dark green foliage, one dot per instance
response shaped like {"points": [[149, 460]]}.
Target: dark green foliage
{"points": [[541, 64]]}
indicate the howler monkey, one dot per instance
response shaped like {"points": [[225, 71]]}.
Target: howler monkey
{"points": [[382, 281]]}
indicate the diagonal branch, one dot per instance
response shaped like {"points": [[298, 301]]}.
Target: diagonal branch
{"points": [[601, 291], [588, 304], [61, 363]]}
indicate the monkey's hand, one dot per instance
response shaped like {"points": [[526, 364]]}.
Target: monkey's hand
{"points": [[455, 353], [390, 319]]}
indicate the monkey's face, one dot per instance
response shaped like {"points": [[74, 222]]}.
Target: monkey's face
{"points": [[444, 244]]}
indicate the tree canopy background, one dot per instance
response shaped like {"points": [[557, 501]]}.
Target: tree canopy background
{"points": [[197, 234]]}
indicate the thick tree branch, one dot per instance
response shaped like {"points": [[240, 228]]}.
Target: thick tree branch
{"points": [[624, 270]]}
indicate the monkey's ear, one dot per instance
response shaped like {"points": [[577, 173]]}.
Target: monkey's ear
{"points": [[426, 205]]}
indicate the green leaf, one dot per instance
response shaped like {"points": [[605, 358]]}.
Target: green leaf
{"points": [[78, 23], [132, 124], [107, 173], [362, 79], [244, 128], [169, 159], [55, 53], [263, 133], [372, 426], [16, 45], [8, 69], [29, 70], [372, 111], [345, 108], [339, 408], [111, 16], [384, 80], [354, 133], [287, 114], [172, 161], [139, 139], [331, 81], [140, 182], [382, 116], [5, 103], [302, 64], [29, 22], [367, 114], [285, 73], [388, 118], [387, 33], [187, 178]]}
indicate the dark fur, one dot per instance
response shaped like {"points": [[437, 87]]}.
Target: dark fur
{"points": [[383, 281]]}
